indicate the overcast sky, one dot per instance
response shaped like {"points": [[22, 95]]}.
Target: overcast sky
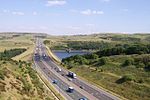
{"points": [[74, 16]]}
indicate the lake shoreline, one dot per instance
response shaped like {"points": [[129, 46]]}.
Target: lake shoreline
{"points": [[61, 54], [74, 51]]}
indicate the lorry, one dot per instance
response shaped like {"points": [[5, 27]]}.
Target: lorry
{"points": [[72, 75]]}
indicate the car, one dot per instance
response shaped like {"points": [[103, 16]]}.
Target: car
{"points": [[70, 89], [59, 70], [55, 81], [83, 99], [62, 74], [81, 87], [72, 75]]}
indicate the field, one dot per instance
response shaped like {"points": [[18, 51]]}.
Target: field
{"points": [[109, 70], [74, 42], [108, 76], [119, 63], [9, 41]]}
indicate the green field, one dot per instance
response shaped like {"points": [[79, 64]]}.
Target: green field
{"points": [[9, 41], [95, 40], [120, 62]]}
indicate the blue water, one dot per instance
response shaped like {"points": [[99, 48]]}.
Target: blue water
{"points": [[63, 54]]}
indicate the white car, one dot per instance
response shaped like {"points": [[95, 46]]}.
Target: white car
{"points": [[59, 70]]}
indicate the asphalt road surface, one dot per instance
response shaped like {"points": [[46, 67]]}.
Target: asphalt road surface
{"points": [[82, 88]]}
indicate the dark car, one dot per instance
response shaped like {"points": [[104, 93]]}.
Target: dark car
{"points": [[55, 81], [81, 87], [62, 74]]}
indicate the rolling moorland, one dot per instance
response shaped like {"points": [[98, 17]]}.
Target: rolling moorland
{"points": [[119, 62], [18, 80]]}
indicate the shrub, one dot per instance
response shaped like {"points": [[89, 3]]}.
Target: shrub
{"points": [[140, 65], [148, 66], [103, 60], [128, 62], [128, 77], [2, 75], [125, 78]]}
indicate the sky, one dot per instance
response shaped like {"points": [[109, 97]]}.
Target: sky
{"points": [[67, 17]]}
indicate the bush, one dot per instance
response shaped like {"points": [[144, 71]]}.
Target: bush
{"points": [[27, 87], [128, 77], [103, 61], [2, 75], [148, 66], [128, 62], [140, 81], [140, 65], [91, 56], [125, 78]]}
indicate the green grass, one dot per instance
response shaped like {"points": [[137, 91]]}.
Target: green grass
{"points": [[108, 75], [60, 42], [107, 79], [22, 41]]}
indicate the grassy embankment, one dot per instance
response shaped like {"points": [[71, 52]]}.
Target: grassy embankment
{"points": [[18, 81]]}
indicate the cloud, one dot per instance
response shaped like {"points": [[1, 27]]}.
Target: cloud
{"points": [[56, 2], [90, 25], [92, 12], [34, 13], [125, 10], [73, 11], [18, 13], [43, 27], [13, 12], [73, 27], [5, 11], [105, 0]]}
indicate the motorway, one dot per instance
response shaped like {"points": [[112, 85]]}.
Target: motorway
{"points": [[50, 70]]}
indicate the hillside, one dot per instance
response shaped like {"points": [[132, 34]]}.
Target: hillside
{"points": [[18, 81], [95, 41], [119, 62]]}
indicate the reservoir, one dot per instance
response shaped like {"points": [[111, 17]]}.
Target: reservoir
{"points": [[63, 54]]}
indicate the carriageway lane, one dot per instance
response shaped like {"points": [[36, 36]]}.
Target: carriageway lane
{"points": [[98, 93], [61, 84]]}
